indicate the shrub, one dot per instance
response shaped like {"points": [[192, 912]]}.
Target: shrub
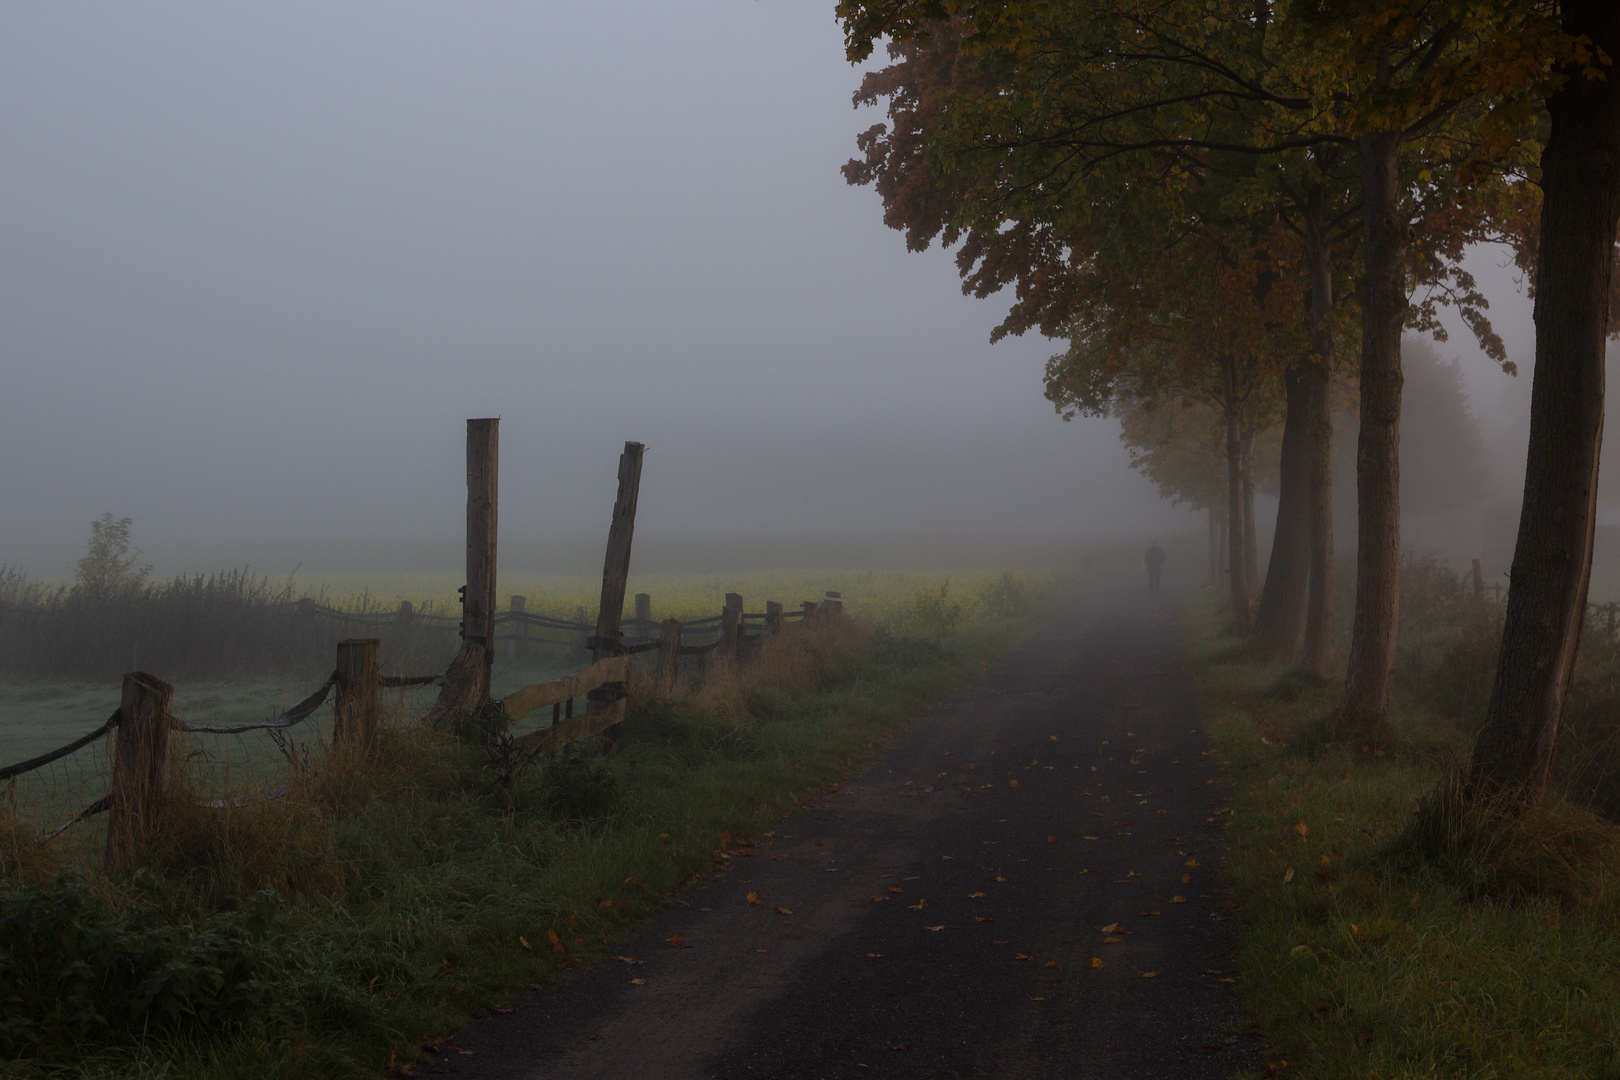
{"points": [[932, 613], [1005, 596]]}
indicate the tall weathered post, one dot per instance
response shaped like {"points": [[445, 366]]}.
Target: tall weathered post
{"points": [[734, 600], [1478, 578], [135, 789], [354, 710], [466, 680], [773, 618], [616, 575], [643, 607]]}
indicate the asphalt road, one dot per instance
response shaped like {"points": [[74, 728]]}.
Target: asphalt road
{"points": [[949, 906]]}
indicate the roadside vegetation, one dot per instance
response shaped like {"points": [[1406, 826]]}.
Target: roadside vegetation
{"points": [[399, 890], [1390, 928]]}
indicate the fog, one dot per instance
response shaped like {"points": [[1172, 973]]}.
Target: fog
{"points": [[258, 263]]}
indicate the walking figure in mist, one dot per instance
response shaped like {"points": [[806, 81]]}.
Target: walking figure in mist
{"points": [[1155, 563]]}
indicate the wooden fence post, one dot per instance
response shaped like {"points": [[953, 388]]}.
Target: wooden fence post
{"points": [[643, 607], [616, 574], [406, 611], [466, 680], [135, 789], [518, 627], [809, 609], [669, 650], [730, 634], [832, 605], [773, 618], [354, 710], [1479, 581], [734, 600]]}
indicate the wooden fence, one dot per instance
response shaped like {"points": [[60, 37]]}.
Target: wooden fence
{"points": [[144, 719]]}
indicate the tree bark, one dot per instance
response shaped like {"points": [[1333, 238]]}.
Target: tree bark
{"points": [[1370, 675], [1552, 559], [1214, 549], [1251, 554], [1236, 546], [1318, 651], [1281, 614]]}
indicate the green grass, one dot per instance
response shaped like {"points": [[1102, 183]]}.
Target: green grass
{"points": [[410, 879], [1367, 948]]}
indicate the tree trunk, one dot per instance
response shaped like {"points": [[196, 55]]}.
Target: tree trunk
{"points": [[1237, 547], [1281, 614], [1214, 549], [1318, 649], [1552, 559], [1370, 676], [1251, 554]]}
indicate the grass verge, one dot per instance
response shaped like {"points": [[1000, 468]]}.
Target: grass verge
{"points": [[397, 893], [1382, 936]]}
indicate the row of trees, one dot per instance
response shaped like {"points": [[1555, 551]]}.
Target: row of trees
{"points": [[1219, 204]]}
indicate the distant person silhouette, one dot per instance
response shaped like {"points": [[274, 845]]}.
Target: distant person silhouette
{"points": [[1155, 563]]}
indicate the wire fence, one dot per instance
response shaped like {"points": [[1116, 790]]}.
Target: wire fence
{"points": [[231, 765]]}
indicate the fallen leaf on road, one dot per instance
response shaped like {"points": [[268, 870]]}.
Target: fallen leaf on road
{"points": [[1186, 878], [821, 843], [918, 906], [1178, 899], [1150, 974], [898, 1046], [679, 942], [998, 878], [1190, 862], [896, 889], [1053, 964], [1096, 962], [503, 1009], [1111, 940], [1090, 838], [1012, 783], [629, 960], [1147, 913], [935, 928], [879, 899], [638, 982], [784, 911], [1052, 737], [1288, 876], [874, 955], [1019, 956], [983, 918], [556, 942], [1114, 928], [754, 900], [975, 895]]}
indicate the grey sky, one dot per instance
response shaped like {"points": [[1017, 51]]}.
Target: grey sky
{"points": [[259, 262]]}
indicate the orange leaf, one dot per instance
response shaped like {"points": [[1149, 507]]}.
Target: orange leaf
{"points": [[784, 911], [753, 899], [1150, 974], [525, 943], [975, 895], [638, 982], [1096, 962], [983, 918], [935, 928], [1178, 899], [1019, 956]]}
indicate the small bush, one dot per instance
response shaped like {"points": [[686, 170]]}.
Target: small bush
{"points": [[932, 613], [1005, 596]]}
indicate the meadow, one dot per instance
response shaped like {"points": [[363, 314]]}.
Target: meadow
{"points": [[397, 889]]}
